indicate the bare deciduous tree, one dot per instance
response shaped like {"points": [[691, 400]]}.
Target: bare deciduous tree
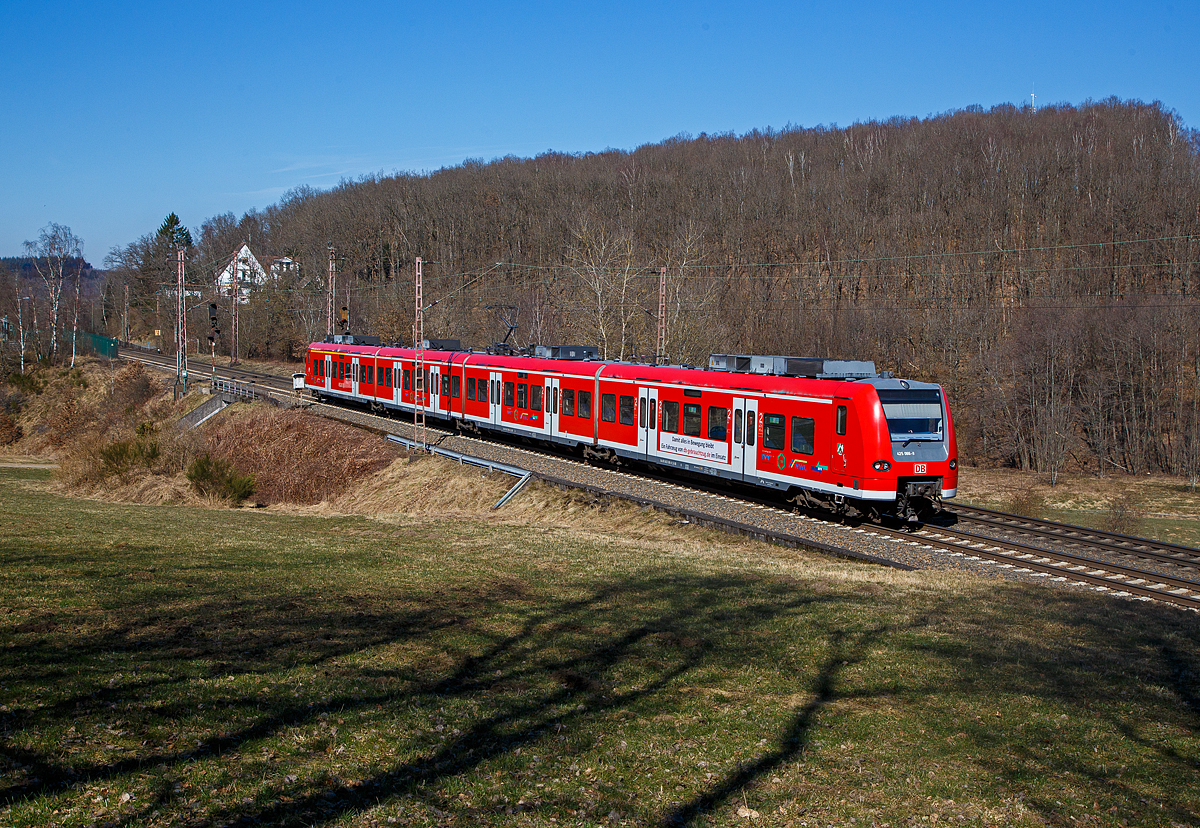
{"points": [[53, 253]]}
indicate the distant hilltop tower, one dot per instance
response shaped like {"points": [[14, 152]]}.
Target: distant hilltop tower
{"points": [[1033, 97]]}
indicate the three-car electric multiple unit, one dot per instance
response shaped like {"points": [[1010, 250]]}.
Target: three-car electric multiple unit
{"points": [[826, 432]]}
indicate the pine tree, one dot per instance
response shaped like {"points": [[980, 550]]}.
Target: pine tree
{"points": [[173, 232]]}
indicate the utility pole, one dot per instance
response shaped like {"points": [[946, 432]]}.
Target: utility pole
{"points": [[419, 389], [180, 326], [233, 309], [660, 351], [125, 326], [329, 294]]}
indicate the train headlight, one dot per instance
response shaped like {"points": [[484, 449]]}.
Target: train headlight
{"points": [[881, 465], [953, 463]]}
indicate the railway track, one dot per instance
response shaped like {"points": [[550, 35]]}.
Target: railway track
{"points": [[1067, 554], [1171, 558]]}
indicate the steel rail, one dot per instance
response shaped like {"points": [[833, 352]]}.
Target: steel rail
{"points": [[1180, 591], [1115, 542]]}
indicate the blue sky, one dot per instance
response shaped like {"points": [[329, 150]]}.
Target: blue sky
{"points": [[118, 113]]}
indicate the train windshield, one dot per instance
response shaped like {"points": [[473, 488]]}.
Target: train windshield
{"points": [[912, 414]]}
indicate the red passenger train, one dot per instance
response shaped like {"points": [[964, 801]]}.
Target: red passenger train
{"points": [[826, 432]]}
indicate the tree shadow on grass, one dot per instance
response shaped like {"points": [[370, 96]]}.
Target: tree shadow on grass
{"points": [[532, 664], [516, 666]]}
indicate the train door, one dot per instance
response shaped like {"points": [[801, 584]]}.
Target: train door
{"points": [[745, 427], [550, 398], [354, 369], [494, 396], [435, 387], [648, 421], [325, 381]]}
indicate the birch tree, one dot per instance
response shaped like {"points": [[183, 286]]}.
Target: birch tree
{"points": [[52, 253]]}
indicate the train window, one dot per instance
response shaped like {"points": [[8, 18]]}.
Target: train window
{"points": [[804, 430], [913, 414], [385, 374], [522, 395], [841, 419], [670, 415], [470, 388], [750, 428], [642, 414], [509, 393], [535, 398], [445, 385], [432, 388], [737, 428], [371, 374], [585, 404], [407, 379], [718, 420], [568, 402], [628, 406], [456, 387], [608, 408], [653, 421], [691, 392], [773, 436], [555, 395], [691, 419], [483, 389]]}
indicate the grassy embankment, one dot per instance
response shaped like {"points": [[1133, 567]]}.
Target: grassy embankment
{"points": [[189, 666]]}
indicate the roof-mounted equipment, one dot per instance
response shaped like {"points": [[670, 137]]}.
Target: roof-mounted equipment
{"points": [[566, 351], [785, 366]]}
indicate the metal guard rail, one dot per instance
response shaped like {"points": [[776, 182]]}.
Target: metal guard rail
{"points": [[492, 465]]}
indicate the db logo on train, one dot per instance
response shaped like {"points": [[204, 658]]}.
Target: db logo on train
{"points": [[918, 468]]}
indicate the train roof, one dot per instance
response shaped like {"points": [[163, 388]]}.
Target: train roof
{"points": [[837, 385]]}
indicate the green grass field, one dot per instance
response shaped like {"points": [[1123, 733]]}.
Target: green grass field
{"points": [[187, 666]]}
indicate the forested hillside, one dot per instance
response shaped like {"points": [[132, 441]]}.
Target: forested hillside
{"points": [[1043, 265]]}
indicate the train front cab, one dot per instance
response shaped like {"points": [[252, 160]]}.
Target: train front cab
{"points": [[913, 443]]}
